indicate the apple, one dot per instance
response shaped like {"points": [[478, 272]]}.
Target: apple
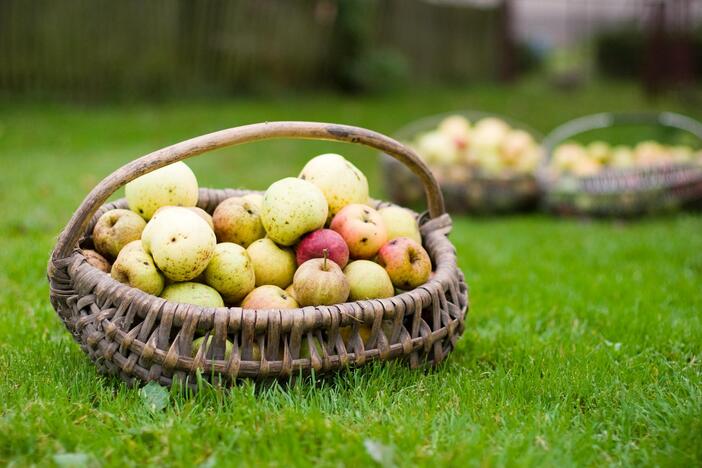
{"points": [[406, 262], [364, 331], [399, 222], [172, 185], [136, 268], [238, 220], [291, 292], [489, 132], [272, 264], [197, 344], [291, 208], [320, 281], [193, 293], [457, 128], [586, 167], [97, 260], [305, 347], [362, 228], [622, 157], [315, 243], [269, 297], [368, 280], [340, 181], [180, 242], [198, 211], [230, 272], [115, 229], [529, 160], [599, 151], [515, 144], [567, 155], [438, 149]]}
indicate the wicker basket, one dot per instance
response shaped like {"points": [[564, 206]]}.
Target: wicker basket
{"points": [[622, 192], [140, 337], [463, 191]]}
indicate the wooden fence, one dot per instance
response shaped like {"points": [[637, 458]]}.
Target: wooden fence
{"points": [[104, 48]]}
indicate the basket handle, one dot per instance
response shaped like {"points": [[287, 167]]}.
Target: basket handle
{"points": [[234, 136]]}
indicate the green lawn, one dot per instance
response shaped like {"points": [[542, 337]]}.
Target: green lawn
{"points": [[583, 344]]}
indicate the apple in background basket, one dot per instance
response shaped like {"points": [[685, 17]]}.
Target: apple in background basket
{"points": [[315, 243], [95, 259], [406, 262], [368, 280], [272, 264], [320, 281], [438, 149], [362, 228], [115, 229], [230, 272], [238, 220], [193, 293], [136, 268], [340, 181], [291, 208], [172, 185], [269, 297], [180, 242], [400, 222]]}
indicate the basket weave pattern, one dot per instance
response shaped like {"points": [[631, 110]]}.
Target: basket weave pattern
{"points": [[140, 337]]}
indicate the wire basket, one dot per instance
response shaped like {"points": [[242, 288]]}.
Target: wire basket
{"points": [[464, 190], [140, 337], [622, 192]]}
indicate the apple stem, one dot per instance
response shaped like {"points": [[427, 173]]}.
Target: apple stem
{"points": [[325, 254]]}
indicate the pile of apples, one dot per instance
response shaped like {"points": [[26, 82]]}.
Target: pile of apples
{"points": [[588, 160], [309, 240], [489, 147]]}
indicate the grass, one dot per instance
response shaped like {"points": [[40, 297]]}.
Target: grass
{"points": [[582, 345]]}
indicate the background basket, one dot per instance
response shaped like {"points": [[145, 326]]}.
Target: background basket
{"points": [[622, 192], [463, 191], [140, 337]]}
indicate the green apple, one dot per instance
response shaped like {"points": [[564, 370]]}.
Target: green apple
{"points": [[230, 272], [291, 208], [96, 260], [599, 151], [305, 347], [180, 242], [238, 220], [136, 268], [320, 281], [489, 133], [400, 222], [198, 211], [115, 229], [172, 185], [193, 293], [269, 297], [272, 263], [368, 280], [340, 181], [566, 156], [197, 344]]}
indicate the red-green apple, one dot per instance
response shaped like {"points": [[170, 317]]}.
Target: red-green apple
{"points": [[406, 262], [315, 243], [269, 297], [362, 228], [320, 281]]}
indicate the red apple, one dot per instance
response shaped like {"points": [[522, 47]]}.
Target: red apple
{"points": [[362, 228], [313, 245], [406, 262]]}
